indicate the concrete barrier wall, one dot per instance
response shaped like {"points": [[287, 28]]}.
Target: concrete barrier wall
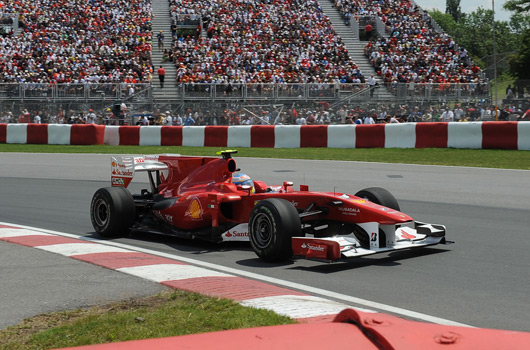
{"points": [[473, 135]]}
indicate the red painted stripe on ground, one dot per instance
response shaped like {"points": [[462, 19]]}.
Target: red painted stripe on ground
{"points": [[5, 226], [235, 288], [119, 260], [317, 319], [40, 240]]}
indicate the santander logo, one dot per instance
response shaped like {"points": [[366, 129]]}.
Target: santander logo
{"points": [[319, 248], [236, 234]]}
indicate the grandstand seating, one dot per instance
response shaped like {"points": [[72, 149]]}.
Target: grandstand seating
{"points": [[413, 50], [77, 42], [280, 49], [280, 41]]}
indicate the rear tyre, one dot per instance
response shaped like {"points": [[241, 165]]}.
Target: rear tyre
{"points": [[379, 196], [272, 224], [112, 211]]}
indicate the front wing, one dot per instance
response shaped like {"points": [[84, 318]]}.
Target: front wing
{"points": [[396, 238]]}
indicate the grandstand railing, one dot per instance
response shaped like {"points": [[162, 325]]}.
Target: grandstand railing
{"points": [[75, 92], [329, 91], [332, 92]]}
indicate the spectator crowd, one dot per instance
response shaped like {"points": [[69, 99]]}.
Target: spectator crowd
{"points": [[279, 41], [359, 114], [411, 50], [66, 41], [264, 41], [239, 41]]}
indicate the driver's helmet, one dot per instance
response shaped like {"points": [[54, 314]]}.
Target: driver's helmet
{"points": [[241, 179]]}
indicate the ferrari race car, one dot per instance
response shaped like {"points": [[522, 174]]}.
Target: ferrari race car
{"points": [[205, 198]]}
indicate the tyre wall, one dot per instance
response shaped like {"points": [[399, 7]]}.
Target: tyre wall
{"points": [[474, 135], [52, 134]]}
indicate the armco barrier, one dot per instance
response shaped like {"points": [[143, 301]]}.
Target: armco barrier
{"points": [[474, 135]]}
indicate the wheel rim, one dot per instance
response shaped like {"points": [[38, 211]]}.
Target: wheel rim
{"points": [[262, 231], [101, 212]]}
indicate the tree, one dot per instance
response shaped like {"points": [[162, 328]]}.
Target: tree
{"points": [[474, 32], [518, 6], [452, 7], [444, 20], [520, 63]]}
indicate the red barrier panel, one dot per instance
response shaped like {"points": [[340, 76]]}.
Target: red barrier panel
{"points": [[37, 134], [129, 135], [370, 136], [431, 135], [3, 133], [499, 135], [314, 136], [171, 136], [216, 136], [262, 136], [90, 134]]}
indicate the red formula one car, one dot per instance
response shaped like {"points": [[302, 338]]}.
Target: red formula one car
{"points": [[205, 198]]}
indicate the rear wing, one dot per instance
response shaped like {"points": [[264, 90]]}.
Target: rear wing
{"points": [[123, 168]]}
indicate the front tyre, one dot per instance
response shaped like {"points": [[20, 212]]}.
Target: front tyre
{"points": [[272, 224], [379, 196], [112, 211]]}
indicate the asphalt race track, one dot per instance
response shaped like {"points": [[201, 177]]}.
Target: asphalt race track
{"points": [[482, 280]]}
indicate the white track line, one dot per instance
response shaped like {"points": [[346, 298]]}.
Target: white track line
{"points": [[168, 272], [300, 287]]}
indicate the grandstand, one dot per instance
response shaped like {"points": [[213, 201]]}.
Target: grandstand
{"points": [[228, 54]]}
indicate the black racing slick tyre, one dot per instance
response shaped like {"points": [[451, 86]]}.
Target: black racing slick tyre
{"points": [[112, 211], [379, 196], [272, 224]]}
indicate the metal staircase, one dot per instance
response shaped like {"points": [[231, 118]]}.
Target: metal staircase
{"points": [[355, 48], [162, 22]]}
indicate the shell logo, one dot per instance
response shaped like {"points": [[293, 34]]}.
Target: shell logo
{"points": [[195, 209], [360, 201]]}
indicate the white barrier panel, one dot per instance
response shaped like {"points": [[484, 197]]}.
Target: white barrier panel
{"points": [[59, 134], [287, 136], [151, 135], [112, 135], [239, 136], [341, 136], [523, 136], [464, 135], [17, 133], [193, 136], [400, 135]]}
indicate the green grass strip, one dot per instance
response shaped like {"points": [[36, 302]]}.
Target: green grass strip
{"points": [[484, 158], [167, 314]]}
